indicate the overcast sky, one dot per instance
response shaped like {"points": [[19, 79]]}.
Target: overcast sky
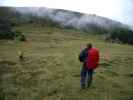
{"points": [[120, 10]]}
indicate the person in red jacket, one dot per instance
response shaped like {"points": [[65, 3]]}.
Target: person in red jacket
{"points": [[90, 58]]}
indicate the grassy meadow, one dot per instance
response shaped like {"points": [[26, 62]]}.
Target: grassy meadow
{"points": [[51, 70]]}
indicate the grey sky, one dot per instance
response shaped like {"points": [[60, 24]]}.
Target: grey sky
{"points": [[120, 10]]}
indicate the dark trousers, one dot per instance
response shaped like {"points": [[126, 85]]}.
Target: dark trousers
{"points": [[86, 77]]}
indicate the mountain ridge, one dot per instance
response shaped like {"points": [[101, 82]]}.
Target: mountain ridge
{"points": [[73, 19]]}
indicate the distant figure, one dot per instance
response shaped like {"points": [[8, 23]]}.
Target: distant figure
{"points": [[21, 55], [90, 58]]}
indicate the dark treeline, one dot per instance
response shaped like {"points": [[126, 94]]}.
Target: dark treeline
{"points": [[122, 34], [8, 20], [5, 25], [5, 29]]}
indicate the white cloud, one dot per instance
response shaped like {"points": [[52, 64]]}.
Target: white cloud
{"points": [[1, 2]]}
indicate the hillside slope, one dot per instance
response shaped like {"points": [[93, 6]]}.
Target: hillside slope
{"points": [[71, 19], [90, 23], [51, 70]]}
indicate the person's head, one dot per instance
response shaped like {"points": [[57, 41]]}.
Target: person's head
{"points": [[89, 45]]}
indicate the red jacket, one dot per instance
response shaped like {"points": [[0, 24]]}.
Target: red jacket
{"points": [[92, 58]]}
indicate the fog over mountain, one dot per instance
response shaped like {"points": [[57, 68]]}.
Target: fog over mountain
{"points": [[71, 19], [120, 10], [89, 23]]}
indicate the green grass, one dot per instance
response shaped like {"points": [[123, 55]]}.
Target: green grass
{"points": [[51, 70]]}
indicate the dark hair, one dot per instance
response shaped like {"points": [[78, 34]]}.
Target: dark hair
{"points": [[89, 45]]}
